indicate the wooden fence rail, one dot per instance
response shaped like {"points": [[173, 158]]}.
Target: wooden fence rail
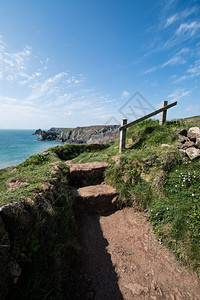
{"points": [[124, 125]]}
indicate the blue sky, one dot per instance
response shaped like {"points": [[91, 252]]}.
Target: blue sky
{"points": [[75, 63]]}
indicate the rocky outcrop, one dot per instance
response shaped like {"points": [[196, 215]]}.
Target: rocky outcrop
{"points": [[81, 135], [37, 132], [47, 136], [189, 142]]}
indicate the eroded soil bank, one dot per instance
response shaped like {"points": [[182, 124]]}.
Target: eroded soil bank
{"points": [[121, 258]]}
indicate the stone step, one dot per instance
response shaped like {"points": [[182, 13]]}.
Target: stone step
{"points": [[96, 198], [87, 174]]}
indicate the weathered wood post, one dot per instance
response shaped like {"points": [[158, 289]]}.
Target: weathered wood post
{"points": [[163, 114], [122, 138]]}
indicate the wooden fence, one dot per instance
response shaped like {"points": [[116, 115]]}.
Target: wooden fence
{"points": [[124, 125]]}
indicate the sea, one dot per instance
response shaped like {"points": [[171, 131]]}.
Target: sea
{"points": [[17, 145]]}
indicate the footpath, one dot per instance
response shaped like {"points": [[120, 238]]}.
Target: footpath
{"points": [[120, 256]]}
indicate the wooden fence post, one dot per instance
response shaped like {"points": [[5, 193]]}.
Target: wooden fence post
{"points": [[163, 114], [122, 139]]}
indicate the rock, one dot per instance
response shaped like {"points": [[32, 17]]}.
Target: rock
{"points": [[183, 139], [15, 271], [182, 132], [96, 198], [47, 136], [179, 145], [16, 212], [193, 132], [182, 151], [87, 174], [188, 144], [198, 142], [136, 288], [37, 132], [82, 135], [165, 145], [193, 152], [4, 238]]}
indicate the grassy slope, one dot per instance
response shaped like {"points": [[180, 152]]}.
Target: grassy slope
{"points": [[146, 175], [51, 241], [159, 179]]}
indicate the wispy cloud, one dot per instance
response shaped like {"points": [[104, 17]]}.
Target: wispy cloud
{"points": [[171, 20], [188, 29], [176, 60], [125, 94], [178, 94], [192, 72], [180, 15], [151, 70]]}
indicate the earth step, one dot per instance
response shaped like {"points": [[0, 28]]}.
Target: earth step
{"points": [[87, 174], [96, 198]]}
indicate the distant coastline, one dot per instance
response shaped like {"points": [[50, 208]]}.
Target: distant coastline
{"points": [[80, 135]]}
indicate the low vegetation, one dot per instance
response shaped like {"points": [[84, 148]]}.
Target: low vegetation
{"points": [[45, 244], [151, 174]]}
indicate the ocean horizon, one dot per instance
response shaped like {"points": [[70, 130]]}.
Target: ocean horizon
{"points": [[16, 145]]}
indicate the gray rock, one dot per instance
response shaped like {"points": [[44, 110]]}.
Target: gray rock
{"points": [[183, 139], [182, 151], [193, 152], [15, 271], [180, 145], [193, 132], [188, 144]]}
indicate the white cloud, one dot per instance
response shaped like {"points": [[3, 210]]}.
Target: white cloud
{"points": [[125, 94], [178, 94], [192, 72], [188, 28], [150, 70], [180, 15], [176, 60], [171, 20]]}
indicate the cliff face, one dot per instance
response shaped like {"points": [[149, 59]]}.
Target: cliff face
{"points": [[81, 135]]}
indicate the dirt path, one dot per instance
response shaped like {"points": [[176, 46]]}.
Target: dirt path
{"points": [[123, 260]]}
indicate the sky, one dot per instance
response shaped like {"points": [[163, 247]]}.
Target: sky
{"points": [[69, 63]]}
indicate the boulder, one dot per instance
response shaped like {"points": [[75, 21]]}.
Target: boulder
{"points": [[193, 152], [193, 133], [188, 144], [183, 139], [16, 212]]}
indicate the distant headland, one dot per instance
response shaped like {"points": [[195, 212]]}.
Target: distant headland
{"points": [[80, 135]]}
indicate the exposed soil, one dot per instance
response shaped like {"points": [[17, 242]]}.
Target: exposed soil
{"points": [[122, 259], [15, 184]]}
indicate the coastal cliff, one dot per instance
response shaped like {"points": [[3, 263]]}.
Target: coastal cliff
{"points": [[80, 135]]}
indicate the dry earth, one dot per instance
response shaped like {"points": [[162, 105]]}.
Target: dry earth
{"points": [[123, 259]]}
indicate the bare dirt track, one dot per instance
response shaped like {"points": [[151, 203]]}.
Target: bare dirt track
{"points": [[123, 259]]}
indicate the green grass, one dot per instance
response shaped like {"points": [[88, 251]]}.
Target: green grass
{"points": [[160, 179], [147, 176], [50, 243]]}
